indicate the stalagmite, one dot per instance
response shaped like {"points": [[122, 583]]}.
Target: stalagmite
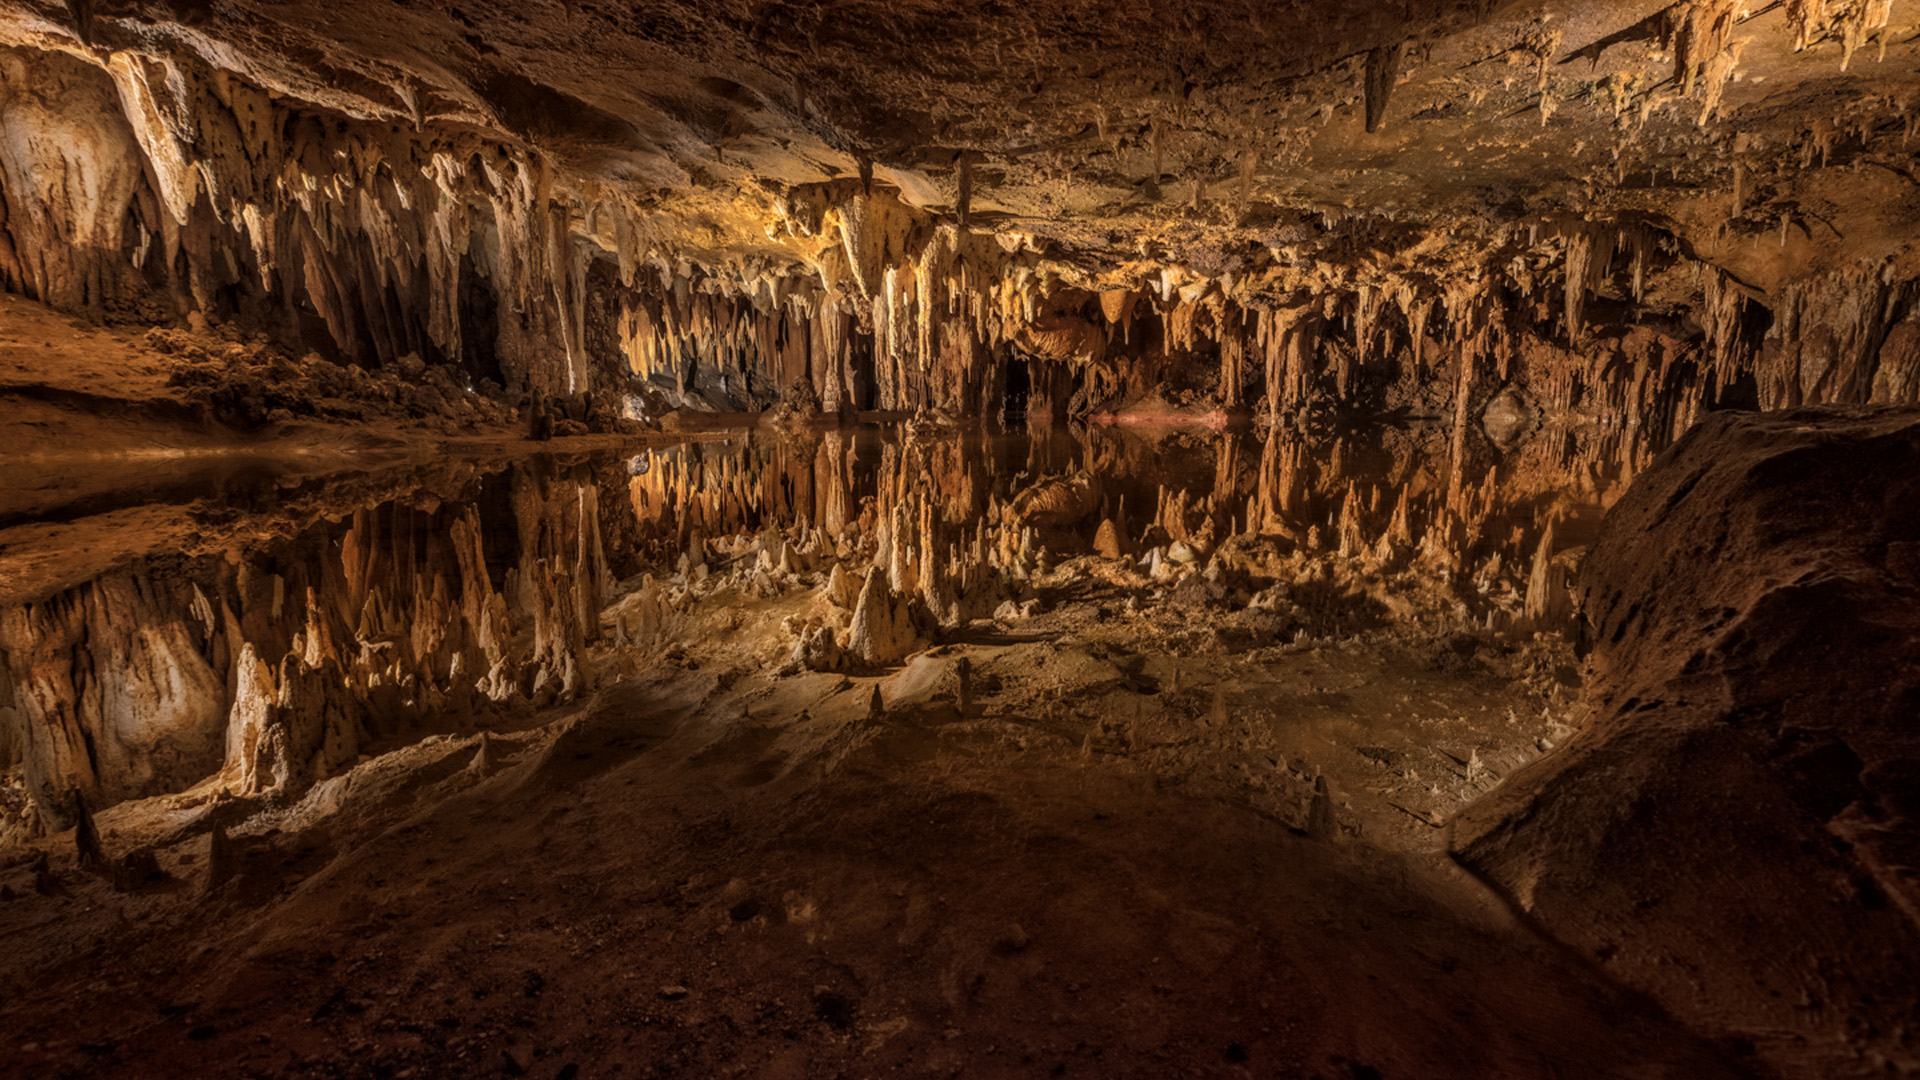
{"points": [[839, 588], [220, 860], [1320, 821], [483, 763], [881, 633]]}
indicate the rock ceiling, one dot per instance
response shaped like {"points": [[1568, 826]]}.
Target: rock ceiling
{"points": [[1681, 160], [1194, 132]]}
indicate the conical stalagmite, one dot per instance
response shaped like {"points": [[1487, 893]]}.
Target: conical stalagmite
{"points": [[880, 633], [221, 862], [1320, 821], [483, 762]]}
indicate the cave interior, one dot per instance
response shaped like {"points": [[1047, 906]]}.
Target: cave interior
{"points": [[835, 538]]}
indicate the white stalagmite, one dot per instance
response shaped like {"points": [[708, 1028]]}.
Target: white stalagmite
{"points": [[882, 630]]}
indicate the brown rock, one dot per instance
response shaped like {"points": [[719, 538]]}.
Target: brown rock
{"points": [[1737, 806]]}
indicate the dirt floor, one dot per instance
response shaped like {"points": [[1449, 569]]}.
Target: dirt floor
{"points": [[1105, 857]]}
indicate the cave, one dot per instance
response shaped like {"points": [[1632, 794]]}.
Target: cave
{"points": [[828, 539]]}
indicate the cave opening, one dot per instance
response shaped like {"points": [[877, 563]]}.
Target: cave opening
{"points": [[863, 376]]}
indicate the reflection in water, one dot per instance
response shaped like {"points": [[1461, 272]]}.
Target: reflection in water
{"points": [[1388, 497], [283, 660]]}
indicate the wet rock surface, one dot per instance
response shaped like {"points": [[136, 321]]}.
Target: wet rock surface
{"points": [[1734, 831]]}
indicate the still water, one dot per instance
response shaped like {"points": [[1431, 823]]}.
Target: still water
{"points": [[137, 607]]}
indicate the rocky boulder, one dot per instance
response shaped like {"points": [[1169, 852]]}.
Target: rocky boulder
{"points": [[1736, 831]]}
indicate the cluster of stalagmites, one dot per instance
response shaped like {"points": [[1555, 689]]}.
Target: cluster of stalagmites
{"points": [[939, 317], [271, 674]]}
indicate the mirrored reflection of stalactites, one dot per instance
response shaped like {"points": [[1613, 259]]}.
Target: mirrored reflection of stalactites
{"points": [[1421, 518], [278, 666], [284, 663]]}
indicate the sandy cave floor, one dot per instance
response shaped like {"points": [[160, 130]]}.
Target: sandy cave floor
{"points": [[1105, 865]]}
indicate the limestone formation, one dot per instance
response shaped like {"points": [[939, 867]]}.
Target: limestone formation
{"points": [[86, 839], [1320, 823], [882, 629], [411, 221]]}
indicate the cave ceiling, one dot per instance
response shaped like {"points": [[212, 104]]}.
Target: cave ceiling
{"points": [[1247, 142]]}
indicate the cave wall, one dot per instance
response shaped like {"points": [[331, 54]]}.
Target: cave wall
{"points": [[154, 187], [71, 175], [1751, 601]]}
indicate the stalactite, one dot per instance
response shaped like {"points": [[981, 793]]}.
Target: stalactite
{"points": [[397, 619], [381, 232], [963, 200], [1382, 72]]}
